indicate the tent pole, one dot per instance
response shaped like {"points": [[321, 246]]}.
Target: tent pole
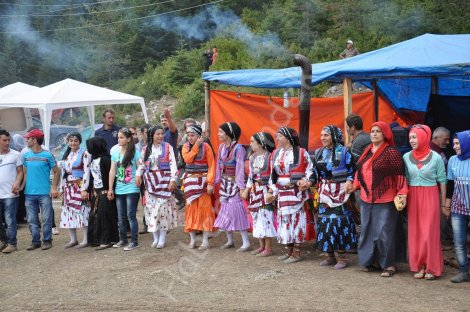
{"points": [[376, 100], [347, 98], [207, 106], [304, 99], [434, 85]]}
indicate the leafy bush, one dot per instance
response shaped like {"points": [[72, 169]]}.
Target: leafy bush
{"points": [[191, 100]]}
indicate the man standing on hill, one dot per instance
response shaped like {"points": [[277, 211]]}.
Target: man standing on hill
{"points": [[38, 164], [109, 131], [350, 51], [11, 174], [207, 59]]}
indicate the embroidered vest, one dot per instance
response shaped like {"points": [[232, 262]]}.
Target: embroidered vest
{"points": [[77, 166], [229, 165], [199, 163], [337, 174], [163, 161], [296, 171], [265, 171]]}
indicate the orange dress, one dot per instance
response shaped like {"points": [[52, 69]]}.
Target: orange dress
{"points": [[199, 212]]}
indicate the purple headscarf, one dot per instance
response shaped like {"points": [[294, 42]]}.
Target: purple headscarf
{"points": [[464, 140]]}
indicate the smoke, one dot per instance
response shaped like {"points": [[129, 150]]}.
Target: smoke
{"points": [[58, 52], [213, 21], [20, 28]]}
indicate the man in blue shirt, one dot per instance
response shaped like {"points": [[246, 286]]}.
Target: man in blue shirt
{"points": [[109, 131], [171, 132], [38, 164]]}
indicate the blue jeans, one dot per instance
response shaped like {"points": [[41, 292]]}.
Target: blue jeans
{"points": [[460, 227], [35, 204], [9, 209], [126, 208]]}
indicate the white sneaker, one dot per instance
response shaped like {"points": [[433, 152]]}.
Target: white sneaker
{"points": [[55, 231]]}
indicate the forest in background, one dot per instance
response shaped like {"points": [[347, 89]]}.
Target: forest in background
{"points": [[155, 48]]}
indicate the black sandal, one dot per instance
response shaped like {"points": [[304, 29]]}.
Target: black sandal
{"points": [[370, 268], [388, 273]]}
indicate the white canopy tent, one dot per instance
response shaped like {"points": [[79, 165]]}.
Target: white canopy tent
{"points": [[68, 93], [14, 89]]}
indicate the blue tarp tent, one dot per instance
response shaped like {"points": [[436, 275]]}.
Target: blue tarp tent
{"points": [[403, 71]]}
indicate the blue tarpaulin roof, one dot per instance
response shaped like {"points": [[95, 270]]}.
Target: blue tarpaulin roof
{"points": [[403, 71]]}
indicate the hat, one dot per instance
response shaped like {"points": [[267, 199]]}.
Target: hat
{"points": [[350, 41], [35, 133]]}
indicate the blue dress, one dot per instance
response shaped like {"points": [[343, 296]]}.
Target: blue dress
{"points": [[336, 229]]}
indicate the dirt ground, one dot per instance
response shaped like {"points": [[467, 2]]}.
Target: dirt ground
{"points": [[176, 278]]}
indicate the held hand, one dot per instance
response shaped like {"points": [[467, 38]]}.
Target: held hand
{"points": [[303, 184], [15, 188], [446, 211], [270, 198], [245, 194], [349, 187], [110, 195], [210, 189], [85, 195], [54, 193], [138, 181], [172, 186]]}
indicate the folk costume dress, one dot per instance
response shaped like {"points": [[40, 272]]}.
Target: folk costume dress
{"points": [[230, 173], [380, 176], [292, 205], [75, 172], [262, 213], [105, 209], [424, 243], [158, 171], [336, 229], [199, 172]]}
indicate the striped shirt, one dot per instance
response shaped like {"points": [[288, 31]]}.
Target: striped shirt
{"points": [[459, 171]]}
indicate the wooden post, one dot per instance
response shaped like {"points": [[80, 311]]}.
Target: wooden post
{"points": [[434, 85], [207, 106], [376, 100], [347, 98]]}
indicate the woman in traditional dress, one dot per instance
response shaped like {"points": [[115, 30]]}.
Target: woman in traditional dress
{"points": [[75, 177], [291, 177], [458, 201], [198, 181], [262, 212], [380, 177], [105, 209], [158, 168], [425, 171], [231, 176], [124, 162], [336, 229]]}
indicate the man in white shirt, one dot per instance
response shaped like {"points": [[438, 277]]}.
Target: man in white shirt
{"points": [[11, 174]]}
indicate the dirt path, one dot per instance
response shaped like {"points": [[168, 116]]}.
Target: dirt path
{"points": [[176, 278]]}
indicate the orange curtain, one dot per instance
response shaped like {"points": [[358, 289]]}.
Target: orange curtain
{"points": [[256, 113]]}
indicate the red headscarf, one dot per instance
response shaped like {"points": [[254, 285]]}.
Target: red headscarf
{"points": [[388, 171], [423, 133], [388, 140]]}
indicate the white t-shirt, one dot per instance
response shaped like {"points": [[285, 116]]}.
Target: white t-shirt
{"points": [[8, 164]]}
